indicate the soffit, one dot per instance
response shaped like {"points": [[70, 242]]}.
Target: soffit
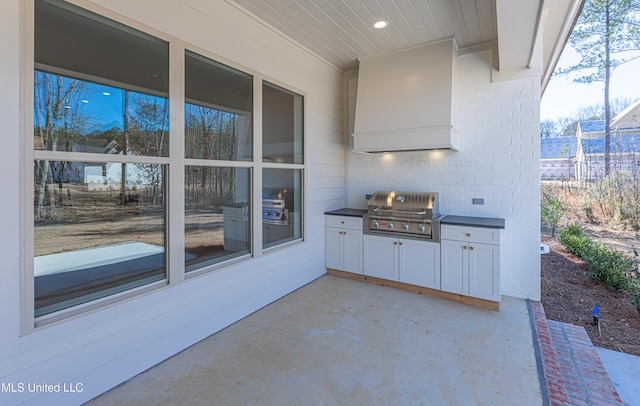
{"points": [[341, 31]]}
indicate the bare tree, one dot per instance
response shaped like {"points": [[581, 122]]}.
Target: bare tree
{"points": [[56, 115], [549, 128]]}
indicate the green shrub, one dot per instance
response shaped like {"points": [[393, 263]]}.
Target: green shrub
{"points": [[574, 240], [573, 229], [551, 211], [578, 246], [606, 265], [609, 267]]}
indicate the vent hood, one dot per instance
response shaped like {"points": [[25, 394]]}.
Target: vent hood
{"points": [[406, 100]]}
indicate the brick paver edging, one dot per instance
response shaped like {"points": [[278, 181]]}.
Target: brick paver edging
{"points": [[585, 377], [552, 386], [570, 369]]}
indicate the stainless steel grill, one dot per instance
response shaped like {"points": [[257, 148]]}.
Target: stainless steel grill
{"points": [[404, 214], [275, 206]]}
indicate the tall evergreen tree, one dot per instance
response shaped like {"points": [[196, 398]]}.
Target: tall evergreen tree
{"points": [[605, 34]]}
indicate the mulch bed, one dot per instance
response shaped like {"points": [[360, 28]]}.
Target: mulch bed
{"points": [[569, 296]]}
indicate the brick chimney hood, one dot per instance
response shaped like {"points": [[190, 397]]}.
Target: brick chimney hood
{"points": [[406, 100]]}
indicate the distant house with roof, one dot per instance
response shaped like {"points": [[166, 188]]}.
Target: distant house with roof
{"points": [[590, 129], [557, 158], [624, 148]]}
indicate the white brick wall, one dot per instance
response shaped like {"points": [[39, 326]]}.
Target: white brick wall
{"points": [[498, 160]]}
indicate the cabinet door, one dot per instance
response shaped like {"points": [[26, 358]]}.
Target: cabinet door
{"points": [[484, 271], [455, 266], [235, 234], [419, 263], [380, 257], [333, 248], [352, 251]]}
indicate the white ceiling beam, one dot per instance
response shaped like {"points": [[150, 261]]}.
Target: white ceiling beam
{"points": [[516, 23]]}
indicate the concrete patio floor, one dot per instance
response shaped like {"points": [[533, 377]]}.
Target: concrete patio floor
{"points": [[339, 341]]}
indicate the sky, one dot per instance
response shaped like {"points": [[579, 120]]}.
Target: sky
{"points": [[563, 97]]}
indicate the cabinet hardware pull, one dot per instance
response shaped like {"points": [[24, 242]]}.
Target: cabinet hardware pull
{"points": [[464, 247], [471, 248], [342, 222], [399, 243], [468, 234], [395, 243]]}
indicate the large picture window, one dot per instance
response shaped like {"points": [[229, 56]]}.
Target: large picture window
{"points": [[100, 88], [282, 155], [117, 198], [218, 113]]}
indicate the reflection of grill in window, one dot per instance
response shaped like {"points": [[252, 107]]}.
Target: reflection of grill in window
{"points": [[275, 206]]}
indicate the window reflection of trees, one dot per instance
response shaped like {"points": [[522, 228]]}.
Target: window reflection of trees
{"points": [[63, 124], [210, 133]]}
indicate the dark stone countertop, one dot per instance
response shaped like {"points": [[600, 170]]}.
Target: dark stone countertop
{"points": [[347, 212], [485, 222]]}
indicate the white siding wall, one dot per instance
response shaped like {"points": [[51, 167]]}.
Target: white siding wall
{"points": [[105, 347], [498, 161]]}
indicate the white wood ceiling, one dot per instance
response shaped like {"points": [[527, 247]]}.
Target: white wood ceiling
{"points": [[341, 31]]}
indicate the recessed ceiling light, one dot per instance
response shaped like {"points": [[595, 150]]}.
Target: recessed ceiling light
{"points": [[381, 24]]}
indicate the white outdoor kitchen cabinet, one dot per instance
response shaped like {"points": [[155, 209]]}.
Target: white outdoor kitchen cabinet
{"points": [[471, 261], [343, 242], [403, 260], [236, 227]]}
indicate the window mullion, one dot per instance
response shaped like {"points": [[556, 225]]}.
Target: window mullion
{"points": [[257, 168], [175, 200]]}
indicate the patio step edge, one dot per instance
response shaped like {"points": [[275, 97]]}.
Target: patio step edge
{"points": [[586, 379], [571, 371], [552, 387]]}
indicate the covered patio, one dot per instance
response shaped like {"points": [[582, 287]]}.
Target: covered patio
{"points": [[269, 326], [338, 341]]}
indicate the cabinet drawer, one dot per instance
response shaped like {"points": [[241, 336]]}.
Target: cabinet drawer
{"points": [[471, 234], [354, 223]]}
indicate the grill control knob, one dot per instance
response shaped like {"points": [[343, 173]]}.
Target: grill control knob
{"points": [[422, 227], [390, 225], [375, 223], [405, 226]]}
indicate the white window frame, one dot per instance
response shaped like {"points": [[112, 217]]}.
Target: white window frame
{"points": [[174, 203]]}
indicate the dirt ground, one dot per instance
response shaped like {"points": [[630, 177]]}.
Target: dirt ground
{"points": [[569, 296]]}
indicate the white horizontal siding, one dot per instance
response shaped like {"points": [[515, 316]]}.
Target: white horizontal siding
{"points": [[105, 347]]}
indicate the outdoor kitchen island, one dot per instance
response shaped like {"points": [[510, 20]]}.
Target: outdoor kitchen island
{"points": [[463, 265]]}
